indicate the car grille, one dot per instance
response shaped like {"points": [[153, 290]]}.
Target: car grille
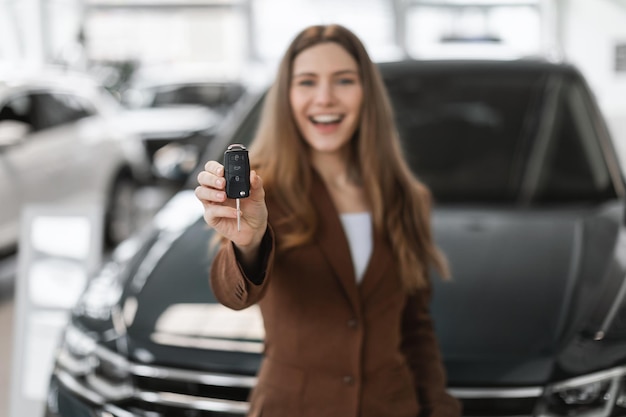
{"points": [[195, 389], [142, 408], [499, 406], [145, 390], [164, 392], [486, 402], [158, 397]]}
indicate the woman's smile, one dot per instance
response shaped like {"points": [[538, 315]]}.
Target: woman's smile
{"points": [[326, 123]]}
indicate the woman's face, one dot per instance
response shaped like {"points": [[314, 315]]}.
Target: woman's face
{"points": [[326, 96]]}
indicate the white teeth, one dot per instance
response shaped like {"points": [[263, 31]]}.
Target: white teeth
{"points": [[326, 118]]}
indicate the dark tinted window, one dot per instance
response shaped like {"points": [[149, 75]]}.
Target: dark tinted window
{"points": [[464, 134], [210, 95], [574, 166], [246, 131], [58, 109], [18, 108], [472, 136]]}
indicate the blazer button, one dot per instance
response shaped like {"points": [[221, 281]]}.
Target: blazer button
{"points": [[352, 323], [348, 380]]}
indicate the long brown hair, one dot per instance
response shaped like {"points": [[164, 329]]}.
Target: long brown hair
{"points": [[400, 204]]}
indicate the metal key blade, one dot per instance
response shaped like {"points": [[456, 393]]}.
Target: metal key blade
{"points": [[238, 215]]}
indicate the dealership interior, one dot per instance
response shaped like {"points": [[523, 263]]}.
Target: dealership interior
{"points": [[109, 107]]}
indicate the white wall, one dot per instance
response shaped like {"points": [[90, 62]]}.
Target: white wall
{"points": [[10, 46], [33, 32], [591, 30], [20, 27], [190, 35], [276, 22]]}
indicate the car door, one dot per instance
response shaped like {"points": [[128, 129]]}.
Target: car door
{"points": [[15, 109]]}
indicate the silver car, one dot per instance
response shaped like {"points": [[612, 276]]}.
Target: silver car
{"points": [[59, 143]]}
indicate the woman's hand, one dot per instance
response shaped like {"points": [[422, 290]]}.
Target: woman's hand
{"points": [[221, 213]]}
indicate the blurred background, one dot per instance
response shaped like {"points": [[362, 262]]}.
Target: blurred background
{"points": [[106, 105]]}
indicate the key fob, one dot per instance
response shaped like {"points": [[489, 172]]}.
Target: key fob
{"points": [[237, 171]]}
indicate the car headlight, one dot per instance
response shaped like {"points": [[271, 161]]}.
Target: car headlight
{"points": [[77, 352], [598, 394], [84, 363], [102, 293], [97, 370], [175, 161]]}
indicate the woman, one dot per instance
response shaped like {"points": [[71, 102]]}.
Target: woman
{"points": [[335, 244]]}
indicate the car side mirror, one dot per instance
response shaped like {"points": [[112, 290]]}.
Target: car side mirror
{"points": [[133, 99], [175, 162], [12, 132]]}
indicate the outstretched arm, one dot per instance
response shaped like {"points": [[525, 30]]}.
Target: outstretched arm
{"points": [[239, 269]]}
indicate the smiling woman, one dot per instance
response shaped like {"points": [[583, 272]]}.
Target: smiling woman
{"points": [[347, 328]]}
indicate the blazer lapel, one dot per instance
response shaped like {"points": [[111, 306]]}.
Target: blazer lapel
{"points": [[333, 241]]}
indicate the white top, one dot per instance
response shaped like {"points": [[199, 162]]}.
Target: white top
{"points": [[358, 229]]}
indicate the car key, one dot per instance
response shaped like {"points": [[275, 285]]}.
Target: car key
{"points": [[237, 174]]}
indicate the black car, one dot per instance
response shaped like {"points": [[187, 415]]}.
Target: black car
{"points": [[529, 209]]}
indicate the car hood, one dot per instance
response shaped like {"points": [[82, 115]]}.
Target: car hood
{"points": [[502, 319], [169, 122], [515, 298]]}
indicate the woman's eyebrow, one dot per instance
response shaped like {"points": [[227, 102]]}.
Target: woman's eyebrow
{"points": [[304, 74], [314, 74], [346, 71]]}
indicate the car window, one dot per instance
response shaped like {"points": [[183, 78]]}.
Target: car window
{"points": [[575, 168], [463, 133], [18, 108], [209, 95], [233, 93], [469, 136], [55, 109], [247, 130]]}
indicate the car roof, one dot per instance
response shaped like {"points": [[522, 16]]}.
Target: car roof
{"points": [[465, 65], [45, 78], [260, 77], [182, 74]]}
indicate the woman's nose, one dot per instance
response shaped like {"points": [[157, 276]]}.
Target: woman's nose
{"points": [[324, 94]]}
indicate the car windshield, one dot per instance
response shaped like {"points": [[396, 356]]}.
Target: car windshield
{"points": [[186, 94], [499, 137], [202, 94], [463, 134]]}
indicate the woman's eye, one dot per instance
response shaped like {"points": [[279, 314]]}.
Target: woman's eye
{"points": [[306, 83], [346, 81]]}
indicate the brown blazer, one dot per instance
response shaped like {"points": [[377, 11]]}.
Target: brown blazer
{"points": [[335, 348]]}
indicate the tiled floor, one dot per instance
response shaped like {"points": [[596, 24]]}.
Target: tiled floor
{"points": [[6, 328], [6, 332]]}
